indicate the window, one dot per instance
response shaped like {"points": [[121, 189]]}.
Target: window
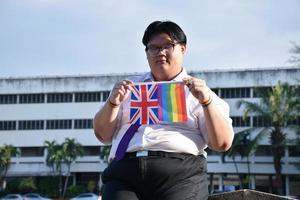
{"points": [[215, 90], [294, 151], [8, 125], [262, 183], [31, 151], [31, 125], [259, 121], [83, 123], [263, 150], [91, 150], [88, 97], [59, 124], [32, 98], [59, 97], [8, 98], [294, 184], [237, 121], [294, 122], [235, 92], [105, 95]]}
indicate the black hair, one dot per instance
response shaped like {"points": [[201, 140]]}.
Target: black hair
{"points": [[168, 27]]}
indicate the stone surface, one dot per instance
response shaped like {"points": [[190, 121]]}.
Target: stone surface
{"points": [[246, 195]]}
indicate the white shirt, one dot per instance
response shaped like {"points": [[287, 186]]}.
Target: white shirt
{"points": [[185, 137]]}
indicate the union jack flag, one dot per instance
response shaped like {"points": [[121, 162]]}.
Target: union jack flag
{"points": [[144, 104]]}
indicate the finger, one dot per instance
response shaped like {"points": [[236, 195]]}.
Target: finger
{"points": [[121, 92], [127, 84], [129, 81], [188, 81], [199, 82]]}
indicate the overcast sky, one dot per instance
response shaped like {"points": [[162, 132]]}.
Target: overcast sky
{"points": [[70, 37]]}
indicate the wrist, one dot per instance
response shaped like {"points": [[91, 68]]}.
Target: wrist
{"points": [[112, 105], [206, 102]]}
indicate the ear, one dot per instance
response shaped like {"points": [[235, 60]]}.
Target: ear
{"points": [[183, 48]]}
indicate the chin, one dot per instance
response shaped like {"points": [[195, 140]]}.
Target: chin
{"points": [[162, 77]]}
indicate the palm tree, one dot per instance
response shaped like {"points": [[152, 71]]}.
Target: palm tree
{"points": [[6, 152], [58, 155], [277, 107], [71, 150], [295, 50], [50, 158], [104, 153], [244, 146], [54, 159]]}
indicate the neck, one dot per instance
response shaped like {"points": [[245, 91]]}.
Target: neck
{"points": [[167, 77]]}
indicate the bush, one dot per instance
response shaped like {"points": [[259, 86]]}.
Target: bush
{"points": [[91, 186], [73, 191], [48, 186], [27, 185], [12, 186]]}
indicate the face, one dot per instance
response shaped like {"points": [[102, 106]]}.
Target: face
{"points": [[167, 62]]}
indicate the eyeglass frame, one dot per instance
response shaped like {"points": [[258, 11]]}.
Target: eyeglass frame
{"points": [[163, 47]]}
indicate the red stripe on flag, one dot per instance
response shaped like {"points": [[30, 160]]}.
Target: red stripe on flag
{"points": [[183, 103]]}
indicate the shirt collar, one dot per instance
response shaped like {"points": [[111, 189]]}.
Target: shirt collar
{"points": [[149, 78]]}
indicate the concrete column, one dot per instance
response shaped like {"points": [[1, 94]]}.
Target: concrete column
{"points": [[100, 182], [74, 179], [286, 155], [45, 154], [221, 182], [287, 185], [18, 98], [252, 180]]}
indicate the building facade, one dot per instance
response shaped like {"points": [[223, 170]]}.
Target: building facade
{"points": [[38, 109]]}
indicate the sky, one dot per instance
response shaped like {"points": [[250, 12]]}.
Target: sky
{"points": [[83, 37]]}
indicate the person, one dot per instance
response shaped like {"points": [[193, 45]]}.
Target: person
{"points": [[164, 161]]}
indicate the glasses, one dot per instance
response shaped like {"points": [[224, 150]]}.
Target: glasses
{"points": [[154, 50]]}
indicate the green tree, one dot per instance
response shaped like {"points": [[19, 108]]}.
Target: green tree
{"points": [[54, 160], [277, 106], [6, 152], [244, 145], [27, 185], [62, 155], [295, 50], [91, 186], [104, 153], [52, 157], [71, 150]]}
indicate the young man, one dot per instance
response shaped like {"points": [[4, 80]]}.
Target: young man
{"points": [[167, 160]]}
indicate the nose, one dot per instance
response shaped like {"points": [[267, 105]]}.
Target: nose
{"points": [[161, 51]]}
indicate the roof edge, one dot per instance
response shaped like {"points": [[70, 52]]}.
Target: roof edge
{"points": [[138, 73]]}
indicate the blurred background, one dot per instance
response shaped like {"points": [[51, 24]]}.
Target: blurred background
{"points": [[60, 58]]}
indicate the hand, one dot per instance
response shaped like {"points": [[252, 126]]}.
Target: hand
{"points": [[198, 88], [120, 92]]}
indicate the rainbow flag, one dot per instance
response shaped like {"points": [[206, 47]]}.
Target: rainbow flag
{"points": [[171, 102], [156, 102]]}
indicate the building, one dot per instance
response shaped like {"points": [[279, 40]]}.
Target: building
{"points": [[38, 109]]}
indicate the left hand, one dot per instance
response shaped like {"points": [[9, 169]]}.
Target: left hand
{"points": [[198, 88]]}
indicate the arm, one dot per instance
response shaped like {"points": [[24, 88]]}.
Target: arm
{"points": [[220, 131], [105, 120]]}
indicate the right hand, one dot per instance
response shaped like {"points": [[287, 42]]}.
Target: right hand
{"points": [[120, 91]]}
